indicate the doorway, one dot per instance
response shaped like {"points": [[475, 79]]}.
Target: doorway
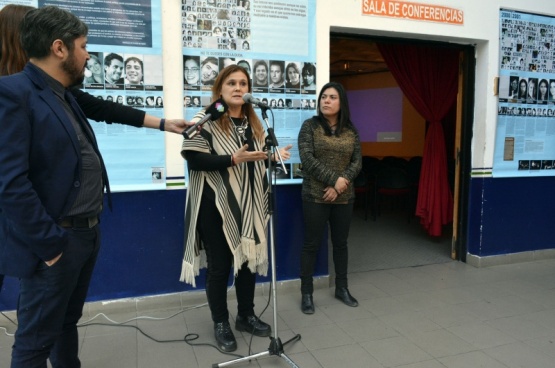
{"points": [[391, 241]]}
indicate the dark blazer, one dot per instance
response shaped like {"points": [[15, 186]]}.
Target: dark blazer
{"points": [[40, 166]]}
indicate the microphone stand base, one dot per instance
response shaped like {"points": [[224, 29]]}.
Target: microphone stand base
{"points": [[275, 348]]}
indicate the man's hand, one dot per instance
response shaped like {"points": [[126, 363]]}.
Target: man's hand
{"points": [[176, 125], [53, 260]]}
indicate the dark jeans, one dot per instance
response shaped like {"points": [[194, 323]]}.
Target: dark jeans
{"points": [[220, 264], [316, 216], [51, 303]]}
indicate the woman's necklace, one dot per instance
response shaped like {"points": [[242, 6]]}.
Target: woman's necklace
{"points": [[333, 128], [241, 129]]}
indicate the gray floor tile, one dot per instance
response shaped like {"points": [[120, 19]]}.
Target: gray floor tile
{"points": [[440, 314], [395, 351], [481, 335], [546, 344], [367, 329], [323, 336], [338, 356], [449, 315], [110, 350], [520, 328], [440, 343], [409, 321], [519, 354], [471, 359]]}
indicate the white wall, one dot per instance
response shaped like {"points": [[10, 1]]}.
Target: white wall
{"points": [[172, 52], [481, 27]]}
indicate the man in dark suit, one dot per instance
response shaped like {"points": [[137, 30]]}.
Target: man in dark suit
{"points": [[52, 181]]}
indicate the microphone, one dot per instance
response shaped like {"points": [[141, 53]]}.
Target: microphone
{"points": [[248, 98], [213, 112]]}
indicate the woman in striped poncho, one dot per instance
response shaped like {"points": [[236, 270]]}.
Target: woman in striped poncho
{"points": [[226, 211]]}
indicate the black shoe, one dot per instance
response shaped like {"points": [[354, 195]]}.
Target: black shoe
{"points": [[224, 336], [307, 304], [342, 293], [253, 325]]}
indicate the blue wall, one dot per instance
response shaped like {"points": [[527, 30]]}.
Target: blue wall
{"points": [[511, 215], [142, 243], [142, 237]]}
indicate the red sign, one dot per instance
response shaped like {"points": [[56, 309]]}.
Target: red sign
{"points": [[416, 11]]}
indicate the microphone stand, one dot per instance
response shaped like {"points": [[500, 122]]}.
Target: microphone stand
{"points": [[276, 346]]}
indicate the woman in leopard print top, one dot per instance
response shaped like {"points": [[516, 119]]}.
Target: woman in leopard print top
{"points": [[329, 148]]}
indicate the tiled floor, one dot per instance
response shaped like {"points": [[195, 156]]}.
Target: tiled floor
{"points": [[443, 315]]}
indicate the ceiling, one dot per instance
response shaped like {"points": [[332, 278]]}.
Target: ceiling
{"points": [[353, 56]]}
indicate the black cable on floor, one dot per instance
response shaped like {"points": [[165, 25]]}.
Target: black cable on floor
{"points": [[187, 339]]}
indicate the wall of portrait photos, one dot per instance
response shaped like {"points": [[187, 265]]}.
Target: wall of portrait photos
{"points": [[282, 66], [525, 139]]}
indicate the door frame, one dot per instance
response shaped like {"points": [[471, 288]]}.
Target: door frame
{"points": [[464, 131]]}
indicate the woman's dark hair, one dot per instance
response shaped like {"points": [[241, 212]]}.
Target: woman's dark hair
{"points": [[308, 69], [546, 84], [344, 116], [293, 66], [551, 81], [12, 56], [41, 27], [523, 92], [209, 60]]}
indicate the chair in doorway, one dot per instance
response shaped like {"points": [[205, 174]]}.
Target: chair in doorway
{"points": [[395, 161], [363, 189], [371, 166], [392, 182]]}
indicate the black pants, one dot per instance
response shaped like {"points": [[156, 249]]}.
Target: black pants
{"points": [[220, 264], [51, 303], [316, 216]]}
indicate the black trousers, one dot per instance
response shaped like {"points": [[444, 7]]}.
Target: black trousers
{"points": [[316, 217], [51, 303], [220, 264]]}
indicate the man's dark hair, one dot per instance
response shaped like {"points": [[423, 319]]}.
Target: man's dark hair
{"points": [[133, 58], [279, 63], [42, 26], [108, 59]]}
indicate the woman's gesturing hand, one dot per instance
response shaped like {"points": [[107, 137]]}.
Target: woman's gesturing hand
{"points": [[242, 155], [284, 152]]}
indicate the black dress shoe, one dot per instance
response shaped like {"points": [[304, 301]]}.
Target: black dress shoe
{"points": [[224, 336], [307, 304], [343, 294], [253, 325]]}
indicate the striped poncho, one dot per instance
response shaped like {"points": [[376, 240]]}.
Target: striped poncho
{"points": [[242, 206]]}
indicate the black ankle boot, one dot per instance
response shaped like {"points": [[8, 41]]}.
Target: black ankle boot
{"points": [[307, 304], [342, 293], [253, 325], [224, 336]]}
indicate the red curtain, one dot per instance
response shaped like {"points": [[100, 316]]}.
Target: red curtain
{"points": [[428, 76]]}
